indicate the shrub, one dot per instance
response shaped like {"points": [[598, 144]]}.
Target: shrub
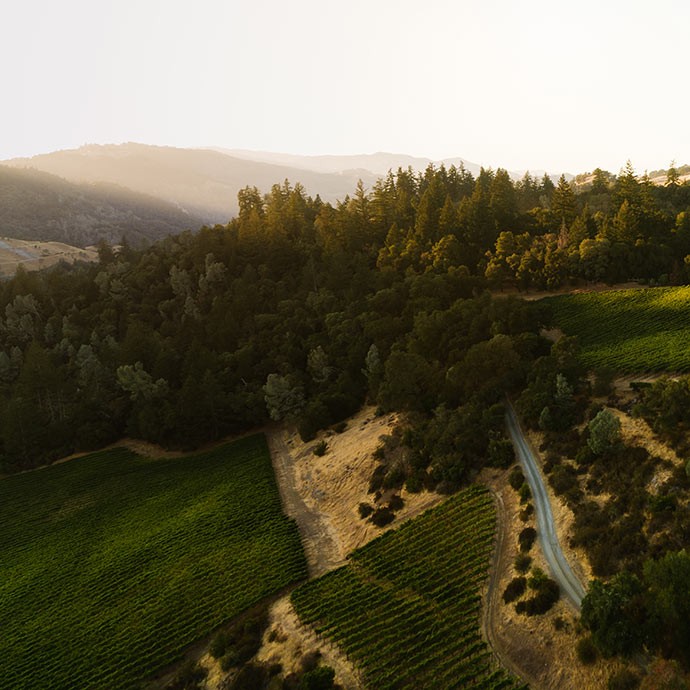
{"points": [[320, 678], [524, 493], [414, 484], [220, 643], [396, 502], [189, 677], [394, 478], [500, 452], [624, 679], [586, 651], [515, 589], [377, 478], [382, 516], [250, 677], [365, 510], [526, 538], [542, 602], [526, 512], [230, 660], [522, 562], [340, 427], [563, 479], [537, 579], [320, 448], [516, 479], [310, 660], [547, 594]]}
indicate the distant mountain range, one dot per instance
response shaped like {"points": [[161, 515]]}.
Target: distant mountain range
{"points": [[35, 205], [204, 182]]}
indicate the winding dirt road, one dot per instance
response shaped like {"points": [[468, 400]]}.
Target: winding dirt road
{"points": [[546, 529]]}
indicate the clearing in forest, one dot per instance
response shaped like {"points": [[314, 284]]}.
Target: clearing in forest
{"points": [[407, 607], [630, 331], [112, 564]]}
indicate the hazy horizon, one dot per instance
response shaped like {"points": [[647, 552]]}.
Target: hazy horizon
{"points": [[530, 86]]}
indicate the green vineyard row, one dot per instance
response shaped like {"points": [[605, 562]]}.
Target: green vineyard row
{"points": [[112, 564], [631, 331]]}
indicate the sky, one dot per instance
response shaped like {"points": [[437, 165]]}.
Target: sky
{"points": [[535, 84]]}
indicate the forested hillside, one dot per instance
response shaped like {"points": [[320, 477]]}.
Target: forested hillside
{"points": [[298, 310], [37, 206], [202, 182]]}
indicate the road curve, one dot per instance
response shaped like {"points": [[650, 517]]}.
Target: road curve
{"points": [[546, 529]]}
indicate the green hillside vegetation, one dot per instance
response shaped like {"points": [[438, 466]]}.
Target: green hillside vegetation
{"points": [[407, 608], [113, 564], [630, 331], [37, 206]]}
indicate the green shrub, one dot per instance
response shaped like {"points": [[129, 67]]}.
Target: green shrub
{"points": [[382, 516], [516, 478], [340, 427], [624, 679], [230, 660], [250, 677], [537, 578], [414, 483], [377, 476], [515, 589], [396, 502], [365, 510], [220, 643], [524, 493], [320, 678], [526, 538], [320, 448], [526, 512], [547, 594], [394, 478], [189, 677], [586, 651], [522, 562], [310, 660]]}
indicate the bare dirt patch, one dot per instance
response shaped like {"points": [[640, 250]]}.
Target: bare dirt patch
{"points": [[322, 493], [34, 255]]}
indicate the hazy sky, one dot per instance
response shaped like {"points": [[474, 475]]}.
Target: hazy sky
{"points": [[547, 84]]}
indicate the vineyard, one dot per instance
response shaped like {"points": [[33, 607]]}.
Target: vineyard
{"points": [[407, 608], [631, 331], [112, 564]]}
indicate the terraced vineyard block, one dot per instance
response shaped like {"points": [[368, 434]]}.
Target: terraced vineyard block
{"points": [[407, 608]]}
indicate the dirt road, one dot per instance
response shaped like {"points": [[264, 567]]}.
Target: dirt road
{"points": [[318, 539], [560, 568]]}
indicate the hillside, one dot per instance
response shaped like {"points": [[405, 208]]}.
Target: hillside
{"points": [[203, 183], [35, 205]]}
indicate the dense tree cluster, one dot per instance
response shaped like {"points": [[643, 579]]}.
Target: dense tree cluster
{"points": [[296, 310]]}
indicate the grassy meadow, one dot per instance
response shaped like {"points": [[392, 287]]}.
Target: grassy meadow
{"points": [[407, 608], [113, 563], [631, 331]]}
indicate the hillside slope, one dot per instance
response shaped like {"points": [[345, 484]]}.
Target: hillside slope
{"points": [[202, 182], [35, 205]]}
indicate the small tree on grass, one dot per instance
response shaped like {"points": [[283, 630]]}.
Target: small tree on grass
{"points": [[604, 432]]}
